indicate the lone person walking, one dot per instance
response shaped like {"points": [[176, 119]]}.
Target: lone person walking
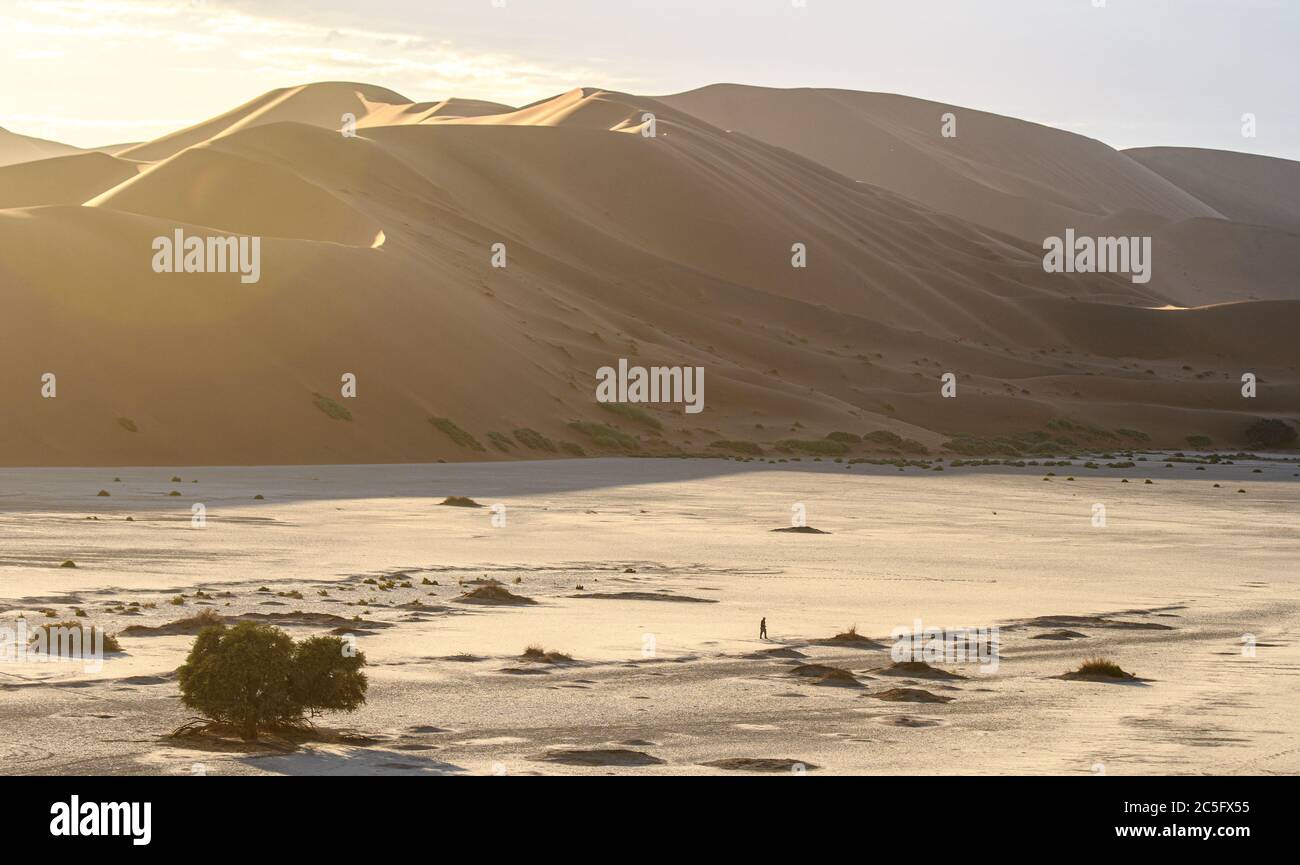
{"points": [[762, 628]]}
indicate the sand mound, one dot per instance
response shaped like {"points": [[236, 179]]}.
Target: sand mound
{"points": [[493, 595], [916, 670], [850, 639], [1062, 634], [759, 764], [599, 757], [460, 502], [187, 627], [802, 530], [910, 695], [822, 674]]}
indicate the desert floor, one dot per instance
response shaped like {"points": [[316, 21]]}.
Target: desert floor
{"points": [[1180, 573]]}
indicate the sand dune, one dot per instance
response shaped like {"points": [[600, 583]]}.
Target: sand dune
{"points": [[1022, 178], [1243, 187], [16, 148], [673, 249], [62, 179]]}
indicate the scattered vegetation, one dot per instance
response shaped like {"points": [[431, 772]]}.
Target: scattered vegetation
{"points": [[500, 441], [538, 654], [741, 447], [1199, 441], [824, 447], [127, 424]]}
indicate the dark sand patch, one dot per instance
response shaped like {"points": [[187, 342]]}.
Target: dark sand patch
{"points": [[599, 757], [759, 764], [801, 530], [821, 674], [910, 695], [1062, 634], [644, 596], [494, 595], [916, 670]]}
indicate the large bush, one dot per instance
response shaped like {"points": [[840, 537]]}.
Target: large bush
{"points": [[254, 677], [1271, 433]]}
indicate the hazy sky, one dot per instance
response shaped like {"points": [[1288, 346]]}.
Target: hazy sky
{"points": [[1132, 73]]}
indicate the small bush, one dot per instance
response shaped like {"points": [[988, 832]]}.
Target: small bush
{"points": [[456, 434], [533, 440], [847, 438], [815, 446], [606, 436], [71, 639], [330, 407], [632, 413], [500, 441], [573, 449], [1101, 667], [127, 424], [739, 447]]}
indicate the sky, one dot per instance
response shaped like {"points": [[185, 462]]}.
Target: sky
{"points": [[1129, 72]]}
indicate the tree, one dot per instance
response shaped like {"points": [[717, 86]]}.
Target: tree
{"points": [[255, 677]]}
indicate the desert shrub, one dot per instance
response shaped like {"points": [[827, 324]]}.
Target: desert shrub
{"points": [[847, 438], [127, 424], [606, 436], [71, 639], [884, 437], [254, 677], [500, 441], [1101, 667], [456, 434], [815, 446], [533, 440], [632, 413], [738, 446], [573, 448], [1271, 433], [330, 407]]}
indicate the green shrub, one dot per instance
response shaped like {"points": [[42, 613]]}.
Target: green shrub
{"points": [[500, 441], [254, 677], [738, 446], [456, 434], [127, 424], [533, 440], [1271, 433], [632, 413], [815, 446], [573, 448], [847, 438], [884, 437], [331, 408], [606, 436], [71, 639]]}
